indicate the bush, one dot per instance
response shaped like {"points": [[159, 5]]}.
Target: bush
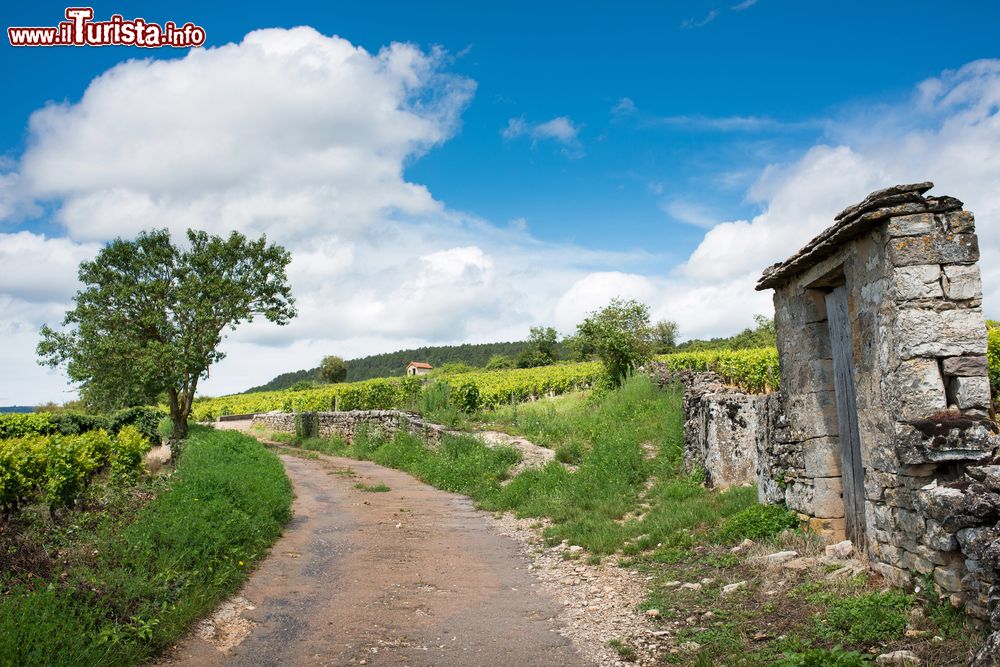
{"points": [[466, 397], [754, 370], [145, 419], [18, 425], [757, 522]]}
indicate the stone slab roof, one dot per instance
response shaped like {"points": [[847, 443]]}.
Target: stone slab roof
{"points": [[855, 220]]}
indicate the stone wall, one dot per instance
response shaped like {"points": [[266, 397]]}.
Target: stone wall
{"points": [[917, 348], [346, 424], [722, 425]]}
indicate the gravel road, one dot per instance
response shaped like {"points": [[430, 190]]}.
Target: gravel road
{"points": [[412, 576]]}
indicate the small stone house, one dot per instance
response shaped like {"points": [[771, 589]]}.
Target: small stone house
{"points": [[418, 368], [885, 395]]}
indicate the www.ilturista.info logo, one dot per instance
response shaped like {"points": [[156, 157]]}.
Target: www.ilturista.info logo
{"points": [[79, 29]]}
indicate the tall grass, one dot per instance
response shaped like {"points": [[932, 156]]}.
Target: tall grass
{"points": [[148, 579]]}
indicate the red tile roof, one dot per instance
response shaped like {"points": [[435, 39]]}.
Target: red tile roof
{"points": [[419, 364]]}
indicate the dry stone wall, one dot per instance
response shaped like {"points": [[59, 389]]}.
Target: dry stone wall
{"points": [[346, 424], [721, 428]]}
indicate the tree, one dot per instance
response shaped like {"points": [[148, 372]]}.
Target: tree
{"points": [[499, 362], [665, 336], [620, 336], [150, 316], [541, 349], [332, 369]]}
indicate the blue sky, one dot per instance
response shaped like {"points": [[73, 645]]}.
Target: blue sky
{"points": [[618, 134]]}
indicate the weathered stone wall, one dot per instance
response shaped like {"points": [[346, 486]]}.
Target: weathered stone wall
{"points": [[722, 426], [720, 431], [347, 423], [918, 345]]}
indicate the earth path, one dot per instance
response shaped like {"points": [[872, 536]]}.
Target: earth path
{"points": [[412, 576]]}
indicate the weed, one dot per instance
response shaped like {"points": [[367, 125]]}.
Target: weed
{"points": [[822, 657], [372, 488], [624, 650], [865, 618], [757, 522]]}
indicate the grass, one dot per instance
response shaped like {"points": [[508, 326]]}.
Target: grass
{"points": [[132, 581], [627, 492], [372, 488]]}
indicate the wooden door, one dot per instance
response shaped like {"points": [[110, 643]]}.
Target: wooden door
{"points": [[839, 322]]}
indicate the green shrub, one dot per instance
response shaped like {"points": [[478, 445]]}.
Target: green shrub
{"points": [[144, 418], [822, 657], [871, 617], [757, 522], [18, 424], [306, 425], [466, 397]]}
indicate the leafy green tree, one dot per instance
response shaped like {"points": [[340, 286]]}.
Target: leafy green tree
{"points": [[665, 336], [541, 349], [151, 315], [332, 369], [499, 362], [620, 336]]}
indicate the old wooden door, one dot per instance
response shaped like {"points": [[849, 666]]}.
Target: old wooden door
{"points": [[839, 322]]}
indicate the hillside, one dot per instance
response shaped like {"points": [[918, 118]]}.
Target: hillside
{"points": [[391, 364]]}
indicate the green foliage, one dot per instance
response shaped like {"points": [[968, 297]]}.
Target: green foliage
{"points": [[763, 334], [499, 362], [151, 577], [665, 336], [869, 617], [541, 349], [20, 424], [619, 335], [332, 369], [754, 370], [453, 368], [466, 397], [372, 488], [823, 657], [496, 388], [56, 468], [302, 384], [145, 419], [306, 425], [757, 522], [151, 315]]}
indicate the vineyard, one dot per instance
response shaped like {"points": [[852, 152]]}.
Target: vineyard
{"points": [[755, 370], [475, 390], [57, 468], [52, 457]]}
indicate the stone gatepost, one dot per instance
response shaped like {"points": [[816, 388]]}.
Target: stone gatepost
{"points": [[884, 380]]}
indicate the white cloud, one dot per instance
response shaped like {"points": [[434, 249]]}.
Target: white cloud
{"points": [[746, 4], [559, 129], [692, 23]]}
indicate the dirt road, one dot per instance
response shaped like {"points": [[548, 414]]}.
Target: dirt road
{"points": [[410, 576]]}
